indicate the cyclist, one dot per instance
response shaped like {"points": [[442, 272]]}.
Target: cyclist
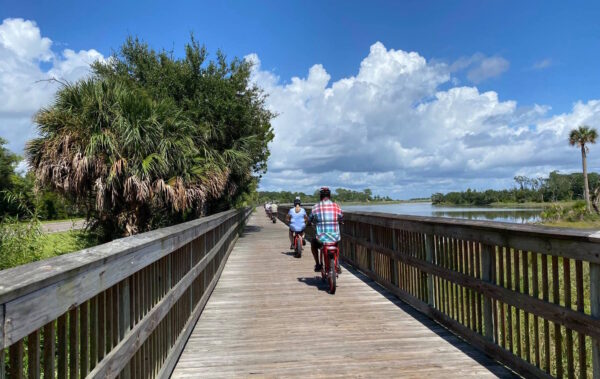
{"points": [[268, 209], [274, 210], [297, 219], [327, 217]]}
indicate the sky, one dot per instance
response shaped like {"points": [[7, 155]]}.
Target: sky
{"points": [[404, 97]]}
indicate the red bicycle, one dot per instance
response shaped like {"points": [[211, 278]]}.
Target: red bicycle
{"points": [[330, 255], [298, 244]]}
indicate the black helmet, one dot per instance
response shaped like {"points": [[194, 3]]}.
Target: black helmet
{"points": [[324, 192], [297, 201]]}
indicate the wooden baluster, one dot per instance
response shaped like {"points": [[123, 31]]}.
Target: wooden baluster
{"points": [[73, 342], [370, 257], [429, 253], [124, 319], [569, 332], [525, 271], [49, 350], [517, 286], [93, 332], [501, 283], [15, 360], [393, 261], [557, 329], [509, 281], [61, 349], [580, 308], [83, 339], [535, 294], [478, 295], [33, 355], [545, 297], [487, 266]]}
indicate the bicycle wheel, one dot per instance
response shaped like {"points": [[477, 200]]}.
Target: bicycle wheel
{"points": [[332, 276], [298, 247]]}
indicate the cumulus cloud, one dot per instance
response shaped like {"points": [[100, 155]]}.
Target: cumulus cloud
{"points": [[27, 61], [391, 127]]}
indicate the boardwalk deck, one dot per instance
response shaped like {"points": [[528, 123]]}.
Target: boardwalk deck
{"points": [[270, 316]]}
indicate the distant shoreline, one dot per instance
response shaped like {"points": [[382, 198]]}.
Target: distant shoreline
{"points": [[383, 202]]}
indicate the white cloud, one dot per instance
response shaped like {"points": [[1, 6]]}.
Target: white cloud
{"points": [[480, 67], [488, 68], [544, 63], [391, 128], [24, 85]]}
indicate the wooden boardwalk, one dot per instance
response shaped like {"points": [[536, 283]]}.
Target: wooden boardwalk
{"points": [[270, 316]]}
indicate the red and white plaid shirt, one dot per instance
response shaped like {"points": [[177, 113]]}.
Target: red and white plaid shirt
{"points": [[326, 215]]}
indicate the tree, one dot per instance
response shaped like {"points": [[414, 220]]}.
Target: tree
{"points": [[580, 137], [150, 140]]}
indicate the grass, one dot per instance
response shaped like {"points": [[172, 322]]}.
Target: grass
{"points": [[574, 224], [66, 242]]}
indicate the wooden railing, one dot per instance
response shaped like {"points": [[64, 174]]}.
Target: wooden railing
{"points": [[122, 309], [528, 296]]}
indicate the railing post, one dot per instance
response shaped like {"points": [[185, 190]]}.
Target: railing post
{"points": [[370, 256], [429, 249], [393, 262], [595, 308], [124, 319], [487, 270]]}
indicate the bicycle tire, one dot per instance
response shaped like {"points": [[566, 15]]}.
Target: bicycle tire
{"points": [[299, 247], [332, 276]]}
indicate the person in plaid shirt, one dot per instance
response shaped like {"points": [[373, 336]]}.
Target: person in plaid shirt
{"points": [[326, 216]]}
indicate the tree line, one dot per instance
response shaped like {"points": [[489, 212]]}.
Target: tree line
{"points": [[556, 187], [339, 195]]}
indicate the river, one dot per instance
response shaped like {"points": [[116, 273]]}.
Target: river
{"points": [[514, 215]]}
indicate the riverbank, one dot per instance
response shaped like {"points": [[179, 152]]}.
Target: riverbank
{"points": [[530, 204], [591, 225], [389, 202]]}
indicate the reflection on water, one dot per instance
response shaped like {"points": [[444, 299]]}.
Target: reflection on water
{"points": [[515, 215]]}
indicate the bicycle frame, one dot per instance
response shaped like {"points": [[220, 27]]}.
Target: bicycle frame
{"points": [[297, 238], [329, 249]]}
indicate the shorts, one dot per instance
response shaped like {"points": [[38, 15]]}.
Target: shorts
{"points": [[317, 243]]}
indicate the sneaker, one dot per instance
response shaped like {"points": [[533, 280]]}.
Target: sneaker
{"points": [[318, 267], [338, 269], [303, 242], [292, 247]]}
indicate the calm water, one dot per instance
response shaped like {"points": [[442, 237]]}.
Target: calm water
{"points": [[515, 215]]}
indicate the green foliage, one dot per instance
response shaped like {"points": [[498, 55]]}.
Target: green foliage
{"points": [[152, 140], [339, 195], [20, 242], [571, 213], [557, 187]]}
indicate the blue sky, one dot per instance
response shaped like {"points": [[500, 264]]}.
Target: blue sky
{"points": [[527, 53]]}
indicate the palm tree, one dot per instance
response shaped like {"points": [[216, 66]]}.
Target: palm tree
{"points": [[130, 158], [580, 137]]}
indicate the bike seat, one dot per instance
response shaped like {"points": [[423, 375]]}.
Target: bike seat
{"points": [[330, 246]]}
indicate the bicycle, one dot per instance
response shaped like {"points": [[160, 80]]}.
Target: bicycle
{"points": [[329, 256]]}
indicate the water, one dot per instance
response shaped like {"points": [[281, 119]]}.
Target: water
{"points": [[514, 215]]}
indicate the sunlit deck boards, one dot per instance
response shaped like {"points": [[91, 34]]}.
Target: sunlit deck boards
{"points": [[269, 316]]}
